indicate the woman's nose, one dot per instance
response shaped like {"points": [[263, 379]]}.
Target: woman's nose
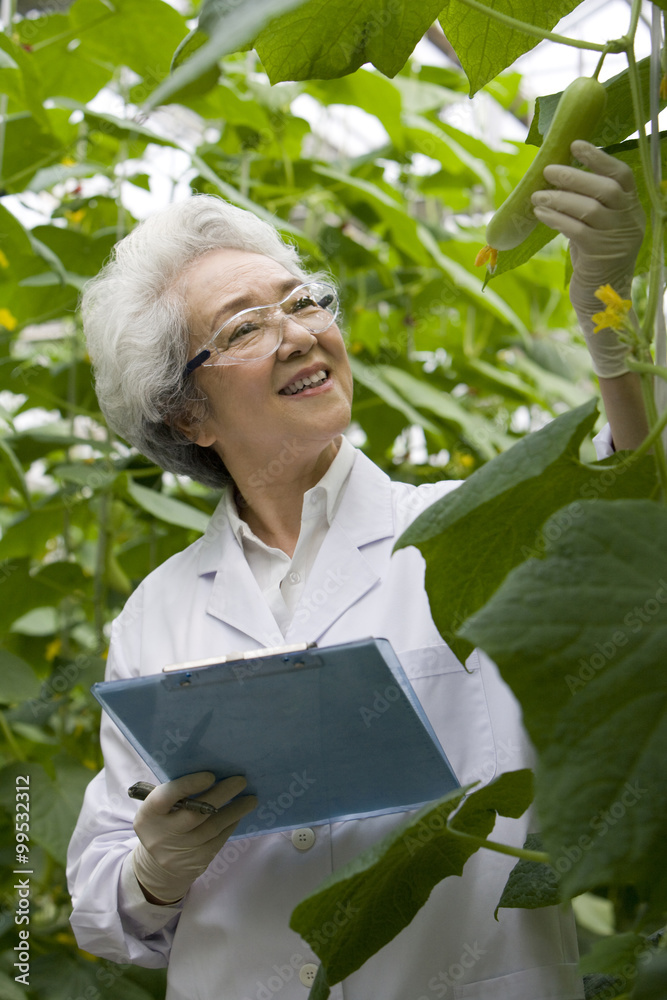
{"points": [[296, 339]]}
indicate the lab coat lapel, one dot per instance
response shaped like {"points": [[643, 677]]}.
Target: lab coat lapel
{"points": [[235, 597], [342, 574]]}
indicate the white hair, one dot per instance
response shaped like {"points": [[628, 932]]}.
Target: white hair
{"points": [[136, 325]]}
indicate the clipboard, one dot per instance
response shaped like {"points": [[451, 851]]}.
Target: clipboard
{"points": [[321, 734]]}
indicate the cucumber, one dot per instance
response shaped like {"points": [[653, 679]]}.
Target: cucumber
{"points": [[578, 112]]}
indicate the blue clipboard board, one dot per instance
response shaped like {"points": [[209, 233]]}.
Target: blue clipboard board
{"points": [[321, 734]]}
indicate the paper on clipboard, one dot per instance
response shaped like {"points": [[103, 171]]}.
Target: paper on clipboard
{"points": [[321, 734]]}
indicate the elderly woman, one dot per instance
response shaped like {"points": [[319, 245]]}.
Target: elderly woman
{"points": [[219, 357]]}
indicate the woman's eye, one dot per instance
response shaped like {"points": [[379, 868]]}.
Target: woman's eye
{"points": [[242, 331], [305, 302]]}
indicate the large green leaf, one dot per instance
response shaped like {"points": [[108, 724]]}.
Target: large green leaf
{"points": [[23, 590], [579, 636], [531, 884], [614, 954], [236, 25], [18, 681], [476, 431], [167, 508], [472, 537], [321, 40], [485, 46], [58, 60], [142, 35], [372, 378], [382, 889]]}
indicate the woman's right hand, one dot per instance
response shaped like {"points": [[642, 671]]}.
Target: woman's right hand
{"points": [[176, 847]]}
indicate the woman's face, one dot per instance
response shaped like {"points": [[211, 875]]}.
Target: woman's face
{"points": [[251, 418]]}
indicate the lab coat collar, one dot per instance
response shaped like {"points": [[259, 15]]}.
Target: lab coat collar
{"points": [[340, 573]]}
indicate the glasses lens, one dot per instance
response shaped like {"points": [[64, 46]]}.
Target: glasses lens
{"points": [[314, 306], [250, 334], [256, 333]]}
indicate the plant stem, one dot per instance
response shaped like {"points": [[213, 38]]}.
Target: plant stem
{"points": [[634, 21], [653, 421], [9, 736], [7, 19], [640, 118], [634, 366], [493, 845], [651, 437], [531, 29]]}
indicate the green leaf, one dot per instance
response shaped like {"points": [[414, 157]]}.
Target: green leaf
{"points": [[38, 621], [650, 983], [58, 60], [167, 508], [142, 35], [381, 890], [9, 989], [23, 590], [476, 431], [614, 954], [472, 537], [618, 121], [7, 453], [485, 46], [119, 128], [531, 884], [18, 681], [28, 147], [231, 32], [321, 40], [579, 636], [373, 379]]}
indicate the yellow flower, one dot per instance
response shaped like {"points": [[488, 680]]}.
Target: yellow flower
{"points": [[75, 217], [53, 649], [7, 320], [3, 260], [487, 254], [616, 311]]}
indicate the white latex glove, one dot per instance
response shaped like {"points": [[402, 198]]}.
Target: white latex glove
{"points": [[177, 847], [601, 215]]}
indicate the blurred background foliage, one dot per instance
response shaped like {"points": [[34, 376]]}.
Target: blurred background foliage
{"points": [[391, 199]]}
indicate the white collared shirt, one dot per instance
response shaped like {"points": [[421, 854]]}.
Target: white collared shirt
{"points": [[281, 578]]}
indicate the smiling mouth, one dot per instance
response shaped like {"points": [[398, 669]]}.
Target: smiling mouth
{"points": [[310, 382]]}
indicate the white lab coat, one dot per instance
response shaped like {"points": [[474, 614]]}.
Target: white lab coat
{"points": [[229, 939]]}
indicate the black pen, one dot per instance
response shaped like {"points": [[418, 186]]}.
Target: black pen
{"points": [[143, 788]]}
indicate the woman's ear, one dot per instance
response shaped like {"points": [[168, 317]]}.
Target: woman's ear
{"points": [[196, 432]]}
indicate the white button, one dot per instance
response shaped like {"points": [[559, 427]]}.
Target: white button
{"points": [[303, 839], [307, 974], [294, 577]]}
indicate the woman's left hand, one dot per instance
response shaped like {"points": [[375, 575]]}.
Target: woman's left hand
{"points": [[600, 212]]}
